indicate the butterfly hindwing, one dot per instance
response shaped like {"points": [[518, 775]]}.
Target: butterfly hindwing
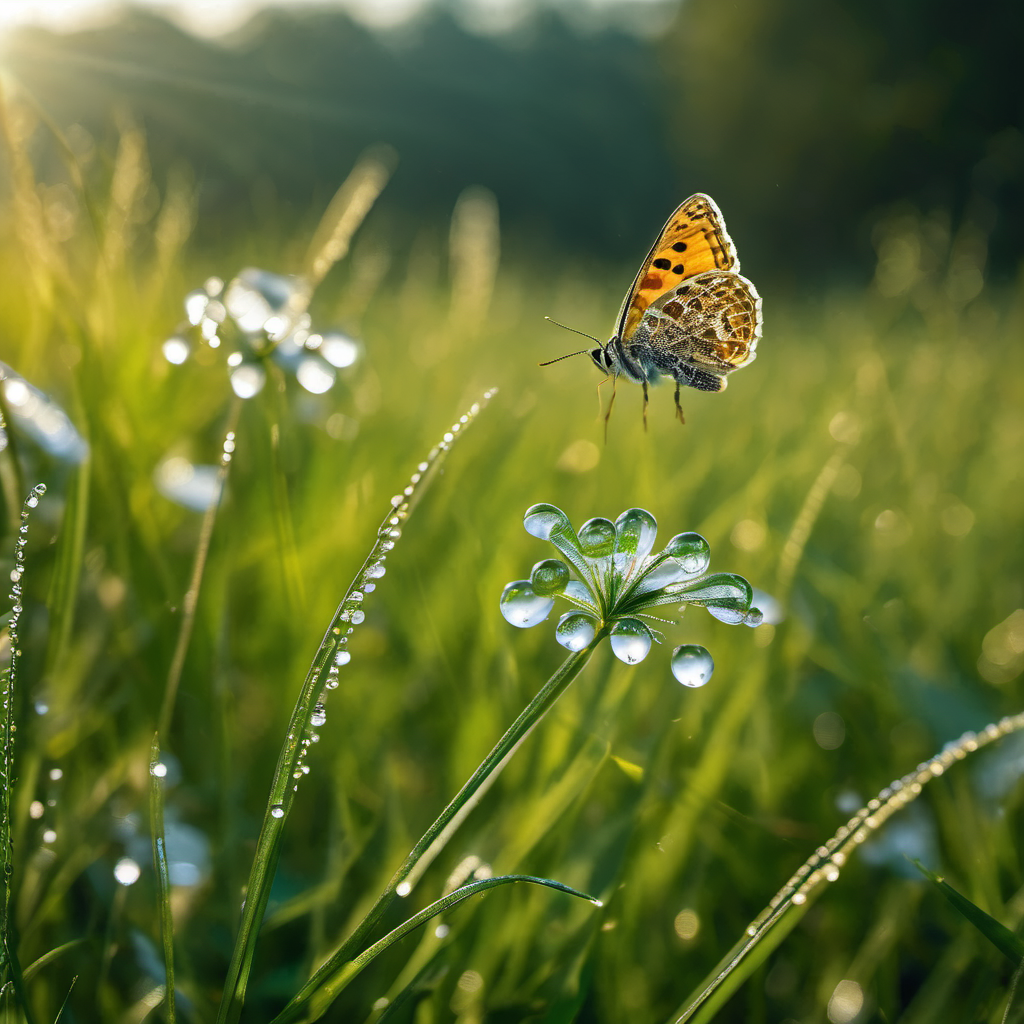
{"points": [[713, 320], [693, 241]]}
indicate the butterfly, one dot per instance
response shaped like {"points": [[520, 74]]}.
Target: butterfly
{"points": [[689, 313]]}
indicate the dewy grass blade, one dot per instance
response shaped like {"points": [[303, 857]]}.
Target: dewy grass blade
{"points": [[327, 986], [157, 772], [191, 599], [309, 715], [8, 680], [825, 863]]}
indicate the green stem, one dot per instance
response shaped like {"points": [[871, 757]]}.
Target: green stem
{"points": [[433, 840], [160, 868]]}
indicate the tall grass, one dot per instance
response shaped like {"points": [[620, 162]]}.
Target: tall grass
{"points": [[864, 471]]}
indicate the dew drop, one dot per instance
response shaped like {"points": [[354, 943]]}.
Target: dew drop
{"points": [[522, 606], [549, 577], [342, 658], [692, 665], [358, 616], [248, 379], [631, 640], [692, 552], [597, 538], [635, 531], [541, 520], [277, 811], [575, 630]]}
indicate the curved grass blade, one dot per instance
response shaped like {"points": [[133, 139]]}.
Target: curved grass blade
{"points": [[824, 866], [308, 715], [317, 994], [157, 771]]}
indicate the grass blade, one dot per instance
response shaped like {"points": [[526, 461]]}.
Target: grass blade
{"points": [[998, 934], [305, 720], [336, 974], [825, 864]]}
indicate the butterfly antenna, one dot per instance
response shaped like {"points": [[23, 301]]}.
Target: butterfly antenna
{"points": [[573, 329], [582, 351]]}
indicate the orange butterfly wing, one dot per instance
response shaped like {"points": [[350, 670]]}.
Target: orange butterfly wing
{"points": [[693, 241]]}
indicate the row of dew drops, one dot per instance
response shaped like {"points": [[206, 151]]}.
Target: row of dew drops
{"points": [[10, 672], [350, 613], [827, 860], [270, 313]]}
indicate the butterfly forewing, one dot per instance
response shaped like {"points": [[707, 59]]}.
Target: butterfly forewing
{"points": [[693, 241]]}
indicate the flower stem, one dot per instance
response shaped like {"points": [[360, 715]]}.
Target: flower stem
{"points": [[434, 839]]}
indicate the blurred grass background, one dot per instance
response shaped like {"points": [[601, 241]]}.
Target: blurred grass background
{"points": [[889, 371]]}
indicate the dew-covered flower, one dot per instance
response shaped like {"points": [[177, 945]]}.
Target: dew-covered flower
{"points": [[266, 315], [618, 581]]}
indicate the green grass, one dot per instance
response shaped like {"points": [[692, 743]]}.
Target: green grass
{"points": [[901, 415]]}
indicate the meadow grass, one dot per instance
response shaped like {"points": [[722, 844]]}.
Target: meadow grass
{"points": [[864, 471]]}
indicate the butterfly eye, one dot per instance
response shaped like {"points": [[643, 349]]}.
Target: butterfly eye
{"points": [[599, 357]]}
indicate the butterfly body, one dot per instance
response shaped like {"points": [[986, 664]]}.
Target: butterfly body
{"points": [[689, 314]]}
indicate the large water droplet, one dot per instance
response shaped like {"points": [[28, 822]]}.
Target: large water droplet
{"points": [[692, 665], [259, 300], [277, 811], [597, 537], [36, 414], [522, 607], [248, 379], [541, 520], [576, 629], [195, 487], [635, 531], [319, 716], [339, 349], [630, 640], [176, 350], [195, 306], [692, 552], [549, 577], [315, 375]]}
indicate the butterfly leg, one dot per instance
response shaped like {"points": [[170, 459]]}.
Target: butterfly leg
{"points": [[679, 408], [645, 406], [608, 411]]}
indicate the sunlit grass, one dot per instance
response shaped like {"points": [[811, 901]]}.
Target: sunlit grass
{"points": [[864, 471]]}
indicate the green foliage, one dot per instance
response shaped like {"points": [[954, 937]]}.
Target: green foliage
{"points": [[864, 471]]}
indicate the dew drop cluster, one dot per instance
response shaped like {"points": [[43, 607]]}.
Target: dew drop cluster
{"points": [[261, 315], [825, 864], [618, 580], [9, 672]]}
